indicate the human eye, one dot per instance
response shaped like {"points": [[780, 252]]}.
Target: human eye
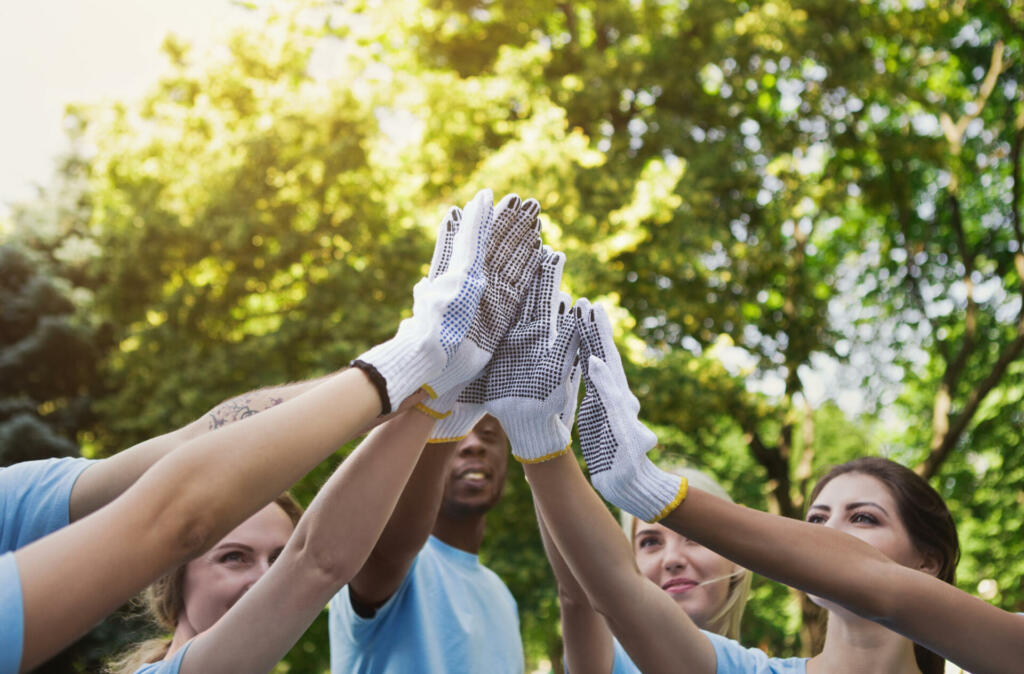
{"points": [[816, 518], [231, 557], [647, 541], [863, 518]]}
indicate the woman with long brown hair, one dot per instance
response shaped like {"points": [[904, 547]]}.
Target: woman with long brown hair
{"points": [[879, 551]]}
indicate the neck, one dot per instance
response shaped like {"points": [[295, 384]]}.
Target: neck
{"points": [[464, 533], [853, 644], [183, 631]]}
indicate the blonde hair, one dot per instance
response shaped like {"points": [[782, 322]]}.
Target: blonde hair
{"points": [[163, 602], [726, 621]]}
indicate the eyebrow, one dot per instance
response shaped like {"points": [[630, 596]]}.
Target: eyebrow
{"points": [[850, 506], [231, 544]]}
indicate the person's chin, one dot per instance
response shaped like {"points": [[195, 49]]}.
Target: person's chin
{"points": [[476, 504]]}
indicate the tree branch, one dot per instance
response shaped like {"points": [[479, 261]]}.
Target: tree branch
{"points": [[775, 464], [955, 368], [940, 452], [955, 131], [903, 218], [1018, 231]]}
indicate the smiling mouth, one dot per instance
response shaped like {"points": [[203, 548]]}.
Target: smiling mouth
{"points": [[474, 478], [679, 586]]}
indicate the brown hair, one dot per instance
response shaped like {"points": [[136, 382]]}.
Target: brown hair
{"points": [[163, 602], [924, 515]]}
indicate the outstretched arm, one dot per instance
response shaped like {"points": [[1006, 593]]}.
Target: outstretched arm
{"points": [[656, 633], [105, 480], [841, 568], [586, 638], [198, 492], [178, 508], [332, 541], [510, 262]]}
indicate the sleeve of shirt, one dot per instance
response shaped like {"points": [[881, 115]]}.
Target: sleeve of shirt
{"points": [[34, 499], [12, 614], [733, 658], [344, 621]]}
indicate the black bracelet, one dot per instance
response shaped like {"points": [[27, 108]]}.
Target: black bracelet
{"points": [[378, 381]]}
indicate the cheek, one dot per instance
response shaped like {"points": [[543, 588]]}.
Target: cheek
{"points": [[648, 564]]}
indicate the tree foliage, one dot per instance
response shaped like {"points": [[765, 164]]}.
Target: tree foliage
{"points": [[763, 189]]}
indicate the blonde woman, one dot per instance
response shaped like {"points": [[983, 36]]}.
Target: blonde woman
{"points": [[244, 553], [195, 494], [708, 588]]}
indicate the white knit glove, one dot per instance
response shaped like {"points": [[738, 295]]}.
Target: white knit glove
{"points": [[464, 413], [510, 264], [444, 306], [527, 384], [614, 442]]}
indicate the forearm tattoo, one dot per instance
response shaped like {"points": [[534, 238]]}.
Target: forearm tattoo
{"points": [[241, 407]]}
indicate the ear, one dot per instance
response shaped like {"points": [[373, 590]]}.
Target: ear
{"points": [[930, 564]]}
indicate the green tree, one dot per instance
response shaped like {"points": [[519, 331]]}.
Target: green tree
{"points": [[757, 185], [47, 362]]}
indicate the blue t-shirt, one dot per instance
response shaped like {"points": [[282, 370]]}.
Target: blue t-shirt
{"points": [[172, 666], [11, 618], [731, 658], [34, 500], [450, 615]]}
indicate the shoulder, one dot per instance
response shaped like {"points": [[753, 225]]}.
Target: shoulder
{"points": [[732, 657], [28, 474], [342, 615], [172, 666], [34, 498]]}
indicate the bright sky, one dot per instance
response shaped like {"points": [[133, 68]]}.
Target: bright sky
{"points": [[54, 52]]}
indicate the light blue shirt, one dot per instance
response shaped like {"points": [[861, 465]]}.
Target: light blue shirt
{"points": [[34, 499], [450, 615], [733, 658], [172, 666], [730, 656], [11, 620]]}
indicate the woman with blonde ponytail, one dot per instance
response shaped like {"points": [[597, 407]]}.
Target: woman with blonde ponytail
{"points": [[244, 602], [164, 601]]}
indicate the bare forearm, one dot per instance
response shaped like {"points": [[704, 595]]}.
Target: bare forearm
{"points": [[586, 638], [179, 507], [852, 573], [105, 480], [348, 516], [408, 528], [332, 542], [579, 524], [644, 618]]}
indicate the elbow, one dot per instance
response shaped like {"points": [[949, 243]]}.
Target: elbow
{"points": [[327, 566], [573, 599]]}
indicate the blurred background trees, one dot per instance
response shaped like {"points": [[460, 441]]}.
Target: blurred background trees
{"points": [[805, 213]]}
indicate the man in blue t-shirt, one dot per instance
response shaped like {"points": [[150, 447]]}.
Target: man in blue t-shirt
{"points": [[423, 602]]}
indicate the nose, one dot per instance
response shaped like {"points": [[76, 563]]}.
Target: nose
{"points": [[254, 573], [471, 446], [674, 556]]}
